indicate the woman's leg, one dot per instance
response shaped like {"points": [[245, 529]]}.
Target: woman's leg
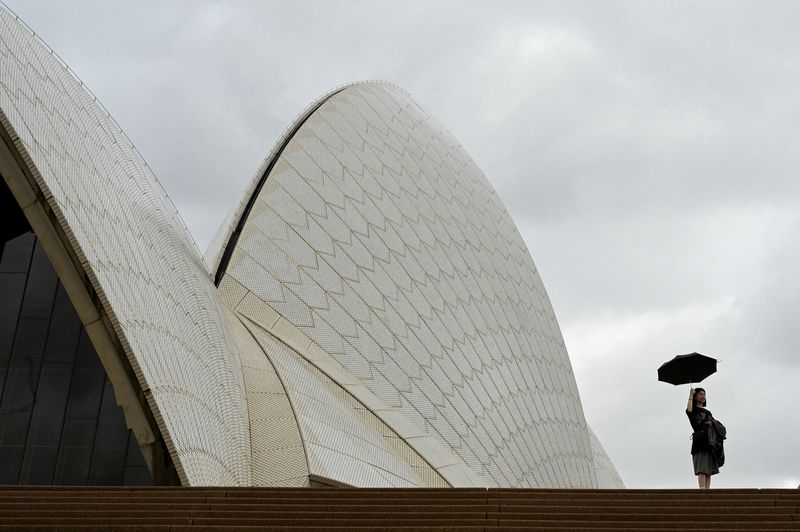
{"points": [[701, 480], [708, 482]]}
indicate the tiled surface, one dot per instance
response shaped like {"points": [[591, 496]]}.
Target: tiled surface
{"points": [[279, 458], [136, 252], [344, 441], [440, 467], [607, 475], [375, 239], [379, 239]]}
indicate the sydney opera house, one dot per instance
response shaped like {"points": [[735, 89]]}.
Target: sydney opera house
{"points": [[368, 315]]}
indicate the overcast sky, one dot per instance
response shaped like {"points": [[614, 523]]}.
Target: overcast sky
{"points": [[648, 152]]}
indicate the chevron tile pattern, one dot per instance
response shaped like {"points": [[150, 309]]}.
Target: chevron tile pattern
{"points": [[344, 441], [379, 238], [377, 319], [278, 453]]}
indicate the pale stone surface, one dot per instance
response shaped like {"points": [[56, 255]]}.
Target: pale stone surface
{"points": [[378, 320]]}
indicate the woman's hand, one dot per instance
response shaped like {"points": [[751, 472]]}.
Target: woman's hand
{"points": [[691, 393]]}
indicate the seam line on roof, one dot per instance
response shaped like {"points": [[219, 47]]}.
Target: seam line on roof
{"points": [[234, 238]]}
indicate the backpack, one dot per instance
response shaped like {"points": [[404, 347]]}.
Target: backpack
{"points": [[715, 434]]}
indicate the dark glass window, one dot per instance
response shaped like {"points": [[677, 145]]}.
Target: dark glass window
{"points": [[13, 286], [112, 433], [72, 468], [41, 287], [108, 466], [65, 330], [59, 421], [14, 429], [85, 393], [29, 341], [137, 476], [10, 463], [20, 389], [17, 254]]}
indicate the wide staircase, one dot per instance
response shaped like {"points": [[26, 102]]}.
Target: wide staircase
{"points": [[239, 509]]}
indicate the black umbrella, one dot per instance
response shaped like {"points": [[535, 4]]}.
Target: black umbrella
{"points": [[684, 369]]}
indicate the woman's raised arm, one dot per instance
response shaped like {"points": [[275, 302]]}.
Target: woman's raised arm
{"points": [[690, 404]]}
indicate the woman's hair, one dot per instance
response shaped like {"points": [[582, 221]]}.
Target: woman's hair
{"points": [[696, 390]]}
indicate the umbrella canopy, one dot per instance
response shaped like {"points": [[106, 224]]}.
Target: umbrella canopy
{"points": [[684, 369]]}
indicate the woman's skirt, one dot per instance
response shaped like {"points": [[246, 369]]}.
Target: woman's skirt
{"points": [[704, 463]]}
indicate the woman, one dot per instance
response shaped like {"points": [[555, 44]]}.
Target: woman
{"points": [[705, 464]]}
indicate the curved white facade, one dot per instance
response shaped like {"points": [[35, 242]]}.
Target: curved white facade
{"points": [[378, 320], [138, 267], [606, 473], [377, 237]]}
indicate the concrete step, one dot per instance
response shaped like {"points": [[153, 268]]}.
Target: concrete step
{"points": [[225, 528], [444, 513], [662, 518], [239, 509], [561, 526], [621, 509], [354, 510], [210, 528]]}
